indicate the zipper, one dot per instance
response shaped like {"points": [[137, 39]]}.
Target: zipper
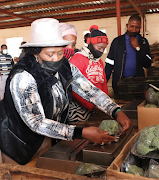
{"points": [[17, 137], [122, 65]]}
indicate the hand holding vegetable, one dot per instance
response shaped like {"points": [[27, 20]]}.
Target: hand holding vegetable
{"points": [[123, 120], [96, 135]]}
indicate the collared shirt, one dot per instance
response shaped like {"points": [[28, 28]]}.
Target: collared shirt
{"points": [[130, 61], [5, 64]]}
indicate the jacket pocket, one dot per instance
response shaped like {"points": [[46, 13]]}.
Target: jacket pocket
{"points": [[16, 137]]}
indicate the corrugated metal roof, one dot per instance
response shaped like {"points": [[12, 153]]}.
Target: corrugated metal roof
{"points": [[17, 13]]}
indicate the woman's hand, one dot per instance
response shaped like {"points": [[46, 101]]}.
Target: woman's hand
{"points": [[96, 135], [123, 120]]}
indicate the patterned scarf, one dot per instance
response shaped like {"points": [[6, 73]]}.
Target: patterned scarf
{"points": [[86, 52]]}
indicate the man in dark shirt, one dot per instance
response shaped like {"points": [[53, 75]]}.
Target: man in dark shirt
{"points": [[128, 54]]}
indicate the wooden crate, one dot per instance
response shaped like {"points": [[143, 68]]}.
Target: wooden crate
{"points": [[19, 172], [113, 171]]}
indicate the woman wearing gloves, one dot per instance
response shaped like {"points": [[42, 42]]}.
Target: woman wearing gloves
{"points": [[37, 95]]}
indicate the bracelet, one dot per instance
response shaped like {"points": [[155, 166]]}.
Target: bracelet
{"points": [[117, 111]]}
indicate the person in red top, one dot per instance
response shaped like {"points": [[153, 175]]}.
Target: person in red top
{"points": [[91, 66]]}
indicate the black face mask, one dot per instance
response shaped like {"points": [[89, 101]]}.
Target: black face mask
{"points": [[95, 52], [51, 66], [132, 34]]}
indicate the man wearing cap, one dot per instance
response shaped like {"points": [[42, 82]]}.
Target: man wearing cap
{"points": [[88, 61], [128, 54]]}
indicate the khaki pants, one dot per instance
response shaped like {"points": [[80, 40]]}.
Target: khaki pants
{"points": [[46, 145]]}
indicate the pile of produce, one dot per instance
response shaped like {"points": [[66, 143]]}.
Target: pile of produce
{"points": [[143, 159], [135, 170], [154, 170], [148, 140], [89, 169]]}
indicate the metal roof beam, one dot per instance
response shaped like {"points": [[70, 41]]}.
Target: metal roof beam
{"points": [[32, 7], [15, 15], [136, 7], [59, 3], [80, 14]]}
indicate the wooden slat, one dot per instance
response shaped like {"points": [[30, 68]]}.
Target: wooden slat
{"points": [[19, 172], [4, 174]]}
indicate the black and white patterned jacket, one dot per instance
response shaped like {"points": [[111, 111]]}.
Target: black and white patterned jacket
{"points": [[37, 106]]}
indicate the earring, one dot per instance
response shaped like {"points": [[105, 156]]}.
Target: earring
{"points": [[36, 58]]}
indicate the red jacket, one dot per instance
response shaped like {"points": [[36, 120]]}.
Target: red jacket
{"points": [[94, 72]]}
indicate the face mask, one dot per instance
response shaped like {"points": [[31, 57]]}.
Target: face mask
{"points": [[5, 51], [68, 52], [132, 34], [51, 66], [95, 52]]}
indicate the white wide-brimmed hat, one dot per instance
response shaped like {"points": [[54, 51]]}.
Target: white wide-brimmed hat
{"points": [[46, 32]]}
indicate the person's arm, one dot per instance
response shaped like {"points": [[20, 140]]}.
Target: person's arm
{"points": [[28, 104], [78, 61], [84, 88], [82, 101], [143, 55], [110, 61]]}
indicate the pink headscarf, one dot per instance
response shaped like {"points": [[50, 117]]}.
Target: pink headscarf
{"points": [[68, 29]]}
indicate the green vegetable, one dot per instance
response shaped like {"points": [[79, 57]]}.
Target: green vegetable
{"points": [[151, 106], [110, 126], [143, 149], [87, 168], [148, 140], [152, 96], [156, 130], [154, 171], [133, 169]]}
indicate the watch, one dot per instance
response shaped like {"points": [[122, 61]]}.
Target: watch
{"points": [[137, 48]]}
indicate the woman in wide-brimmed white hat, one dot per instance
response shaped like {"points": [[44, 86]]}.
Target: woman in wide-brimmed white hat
{"points": [[37, 94]]}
